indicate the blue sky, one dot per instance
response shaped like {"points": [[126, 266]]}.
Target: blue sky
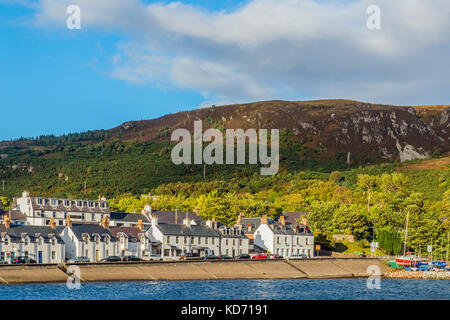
{"points": [[137, 59]]}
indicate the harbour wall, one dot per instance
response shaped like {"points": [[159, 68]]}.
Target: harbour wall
{"points": [[314, 268]]}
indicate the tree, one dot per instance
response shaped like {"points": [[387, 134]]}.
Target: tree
{"points": [[367, 182], [390, 240]]}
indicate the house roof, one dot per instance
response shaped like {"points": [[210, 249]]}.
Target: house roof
{"points": [[16, 232], [46, 206], [129, 217], [16, 215], [173, 217], [131, 232], [183, 230], [92, 230], [292, 217], [289, 229]]}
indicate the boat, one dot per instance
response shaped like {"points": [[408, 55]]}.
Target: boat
{"points": [[409, 260]]}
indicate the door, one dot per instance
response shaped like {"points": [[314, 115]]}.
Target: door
{"points": [[39, 256]]}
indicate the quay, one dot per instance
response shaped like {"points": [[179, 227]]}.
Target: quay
{"points": [[313, 268]]}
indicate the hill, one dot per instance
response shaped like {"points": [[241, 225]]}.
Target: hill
{"points": [[316, 136]]}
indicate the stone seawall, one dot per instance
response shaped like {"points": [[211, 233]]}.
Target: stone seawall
{"points": [[195, 270]]}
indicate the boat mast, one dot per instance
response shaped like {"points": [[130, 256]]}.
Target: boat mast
{"points": [[406, 234]]}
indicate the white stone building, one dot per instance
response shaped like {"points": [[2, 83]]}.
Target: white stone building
{"points": [[93, 241], [284, 239], [132, 241], [175, 240], [39, 210], [233, 242], [42, 244]]}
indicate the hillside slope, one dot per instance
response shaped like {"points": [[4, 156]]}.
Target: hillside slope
{"points": [[135, 156]]}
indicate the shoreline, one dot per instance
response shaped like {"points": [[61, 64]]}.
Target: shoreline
{"points": [[314, 268]]}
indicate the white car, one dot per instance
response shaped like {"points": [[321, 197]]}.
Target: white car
{"points": [[152, 257]]}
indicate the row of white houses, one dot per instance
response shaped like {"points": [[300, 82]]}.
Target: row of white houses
{"points": [[52, 230]]}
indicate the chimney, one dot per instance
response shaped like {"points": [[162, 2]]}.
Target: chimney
{"points": [[282, 220], [68, 222], [214, 223], [105, 222], [196, 210], [209, 223], [140, 225], [52, 224], [25, 194], [239, 219], [187, 222], [264, 219], [7, 221]]}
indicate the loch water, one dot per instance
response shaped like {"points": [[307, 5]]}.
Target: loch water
{"points": [[299, 289]]}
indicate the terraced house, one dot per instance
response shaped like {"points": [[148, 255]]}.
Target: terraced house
{"points": [[39, 210], [40, 243], [284, 239], [93, 241]]}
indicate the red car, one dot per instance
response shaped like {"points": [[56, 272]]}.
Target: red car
{"points": [[260, 256]]}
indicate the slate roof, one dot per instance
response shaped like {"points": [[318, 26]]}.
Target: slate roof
{"points": [[131, 232], [16, 232], [292, 217], [183, 230], [289, 229], [253, 222], [46, 206], [172, 217], [91, 230], [129, 217]]}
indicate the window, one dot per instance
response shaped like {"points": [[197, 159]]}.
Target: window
{"points": [[176, 239], [39, 201], [53, 202], [307, 242], [54, 214], [226, 242], [185, 240], [6, 241], [82, 216], [206, 240], [278, 240], [67, 203], [2, 256], [53, 255], [298, 240], [53, 242], [93, 217], [26, 254], [26, 241]]}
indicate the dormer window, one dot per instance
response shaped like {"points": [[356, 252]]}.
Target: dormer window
{"points": [[26, 241], [53, 202], [67, 203], [6, 241], [39, 201], [53, 241]]}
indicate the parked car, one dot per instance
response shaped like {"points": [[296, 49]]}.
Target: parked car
{"points": [[297, 256], [274, 256], [131, 258], [259, 256], [191, 256], [111, 259], [79, 259], [23, 260], [225, 257], [152, 257], [244, 256], [211, 257]]}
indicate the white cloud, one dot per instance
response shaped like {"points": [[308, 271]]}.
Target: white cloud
{"points": [[273, 49]]}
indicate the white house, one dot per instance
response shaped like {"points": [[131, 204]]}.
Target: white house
{"points": [[132, 241], [284, 239], [39, 210], [176, 240], [93, 241], [233, 242], [42, 244]]}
